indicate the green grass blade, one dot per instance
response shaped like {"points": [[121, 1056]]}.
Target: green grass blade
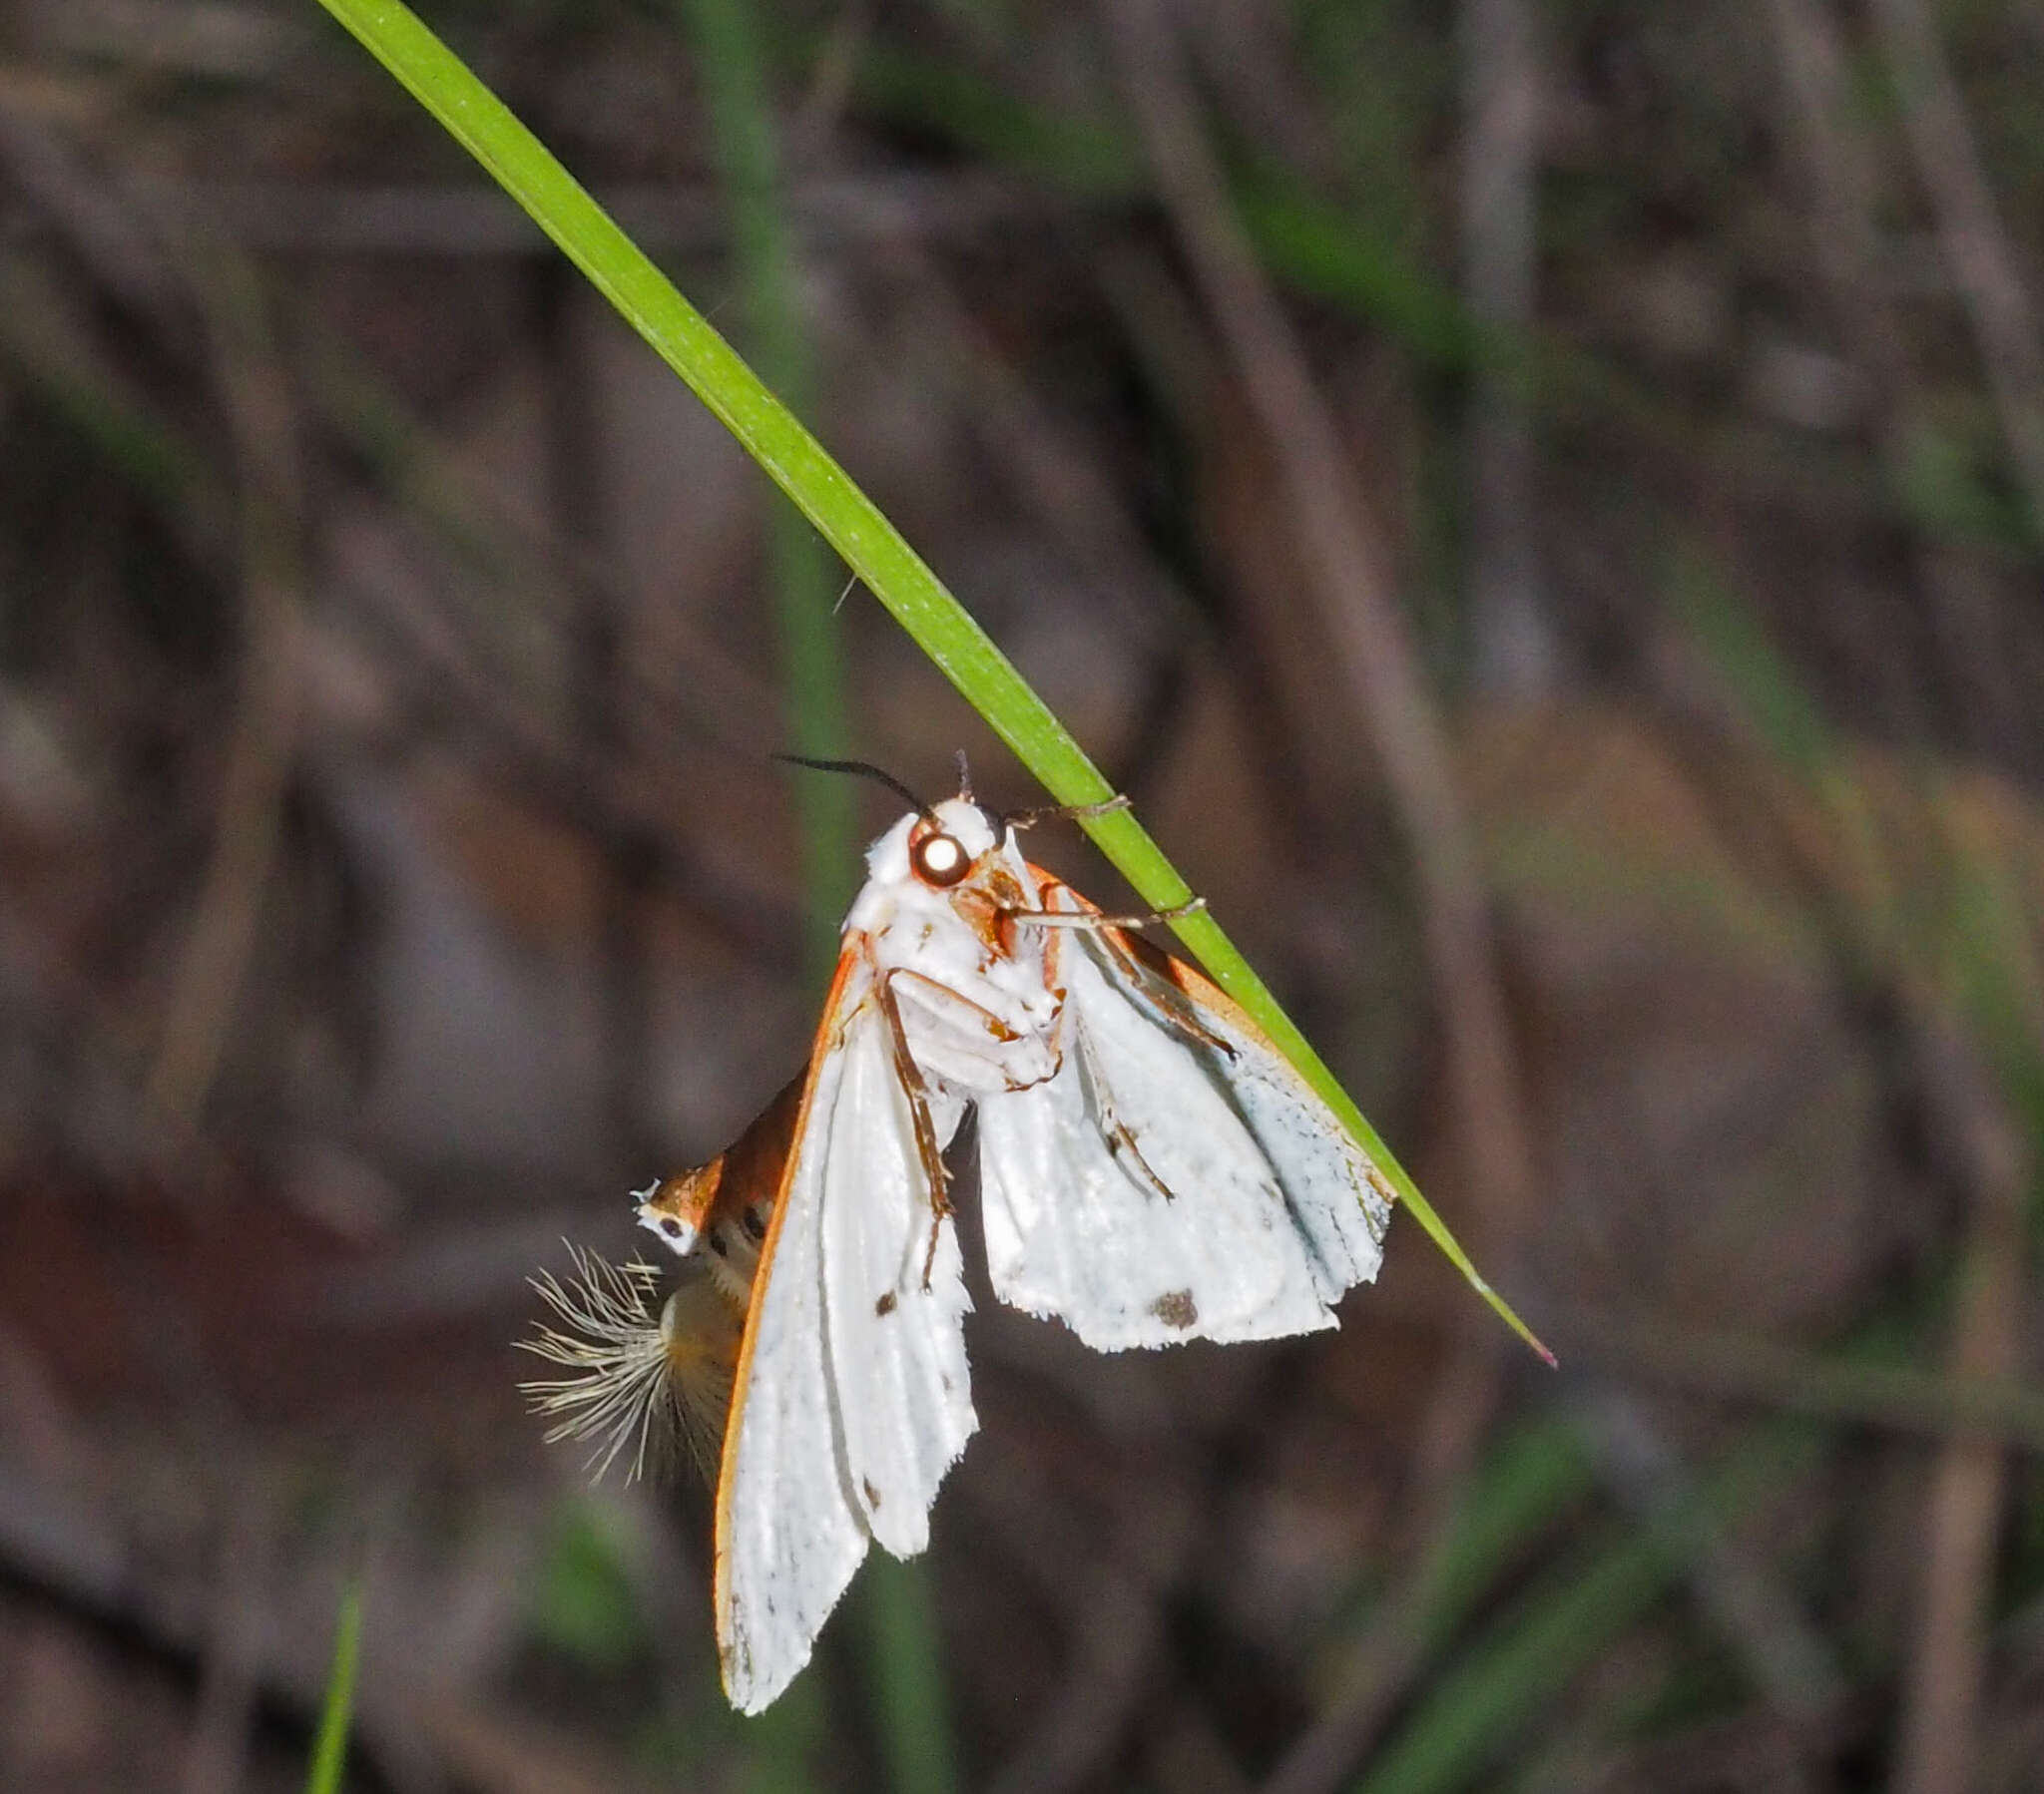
{"points": [[891, 570], [1532, 1653], [1316, 248], [1473, 1711], [1534, 1477], [329, 1749]]}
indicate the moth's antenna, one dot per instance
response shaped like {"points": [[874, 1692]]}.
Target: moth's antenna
{"points": [[994, 819], [864, 770]]}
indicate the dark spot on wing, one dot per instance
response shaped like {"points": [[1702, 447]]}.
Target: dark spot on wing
{"points": [[885, 1305], [755, 1224], [669, 1227], [872, 1494], [1176, 1309], [718, 1245]]}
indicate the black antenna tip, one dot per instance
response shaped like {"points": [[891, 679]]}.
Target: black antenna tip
{"points": [[861, 769]]}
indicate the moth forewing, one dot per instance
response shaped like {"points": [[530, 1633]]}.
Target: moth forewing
{"points": [[852, 1395], [787, 1539]]}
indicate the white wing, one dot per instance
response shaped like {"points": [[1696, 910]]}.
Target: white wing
{"points": [[1337, 1197], [787, 1534], [840, 1429], [1273, 1209], [897, 1337]]}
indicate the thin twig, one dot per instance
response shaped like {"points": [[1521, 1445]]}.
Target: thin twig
{"points": [[105, 232], [1514, 637], [1982, 261], [1841, 184], [1114, 1599], [1349, 580], [461, 221], [578, 492], [209, 975], [1900, 1398], [215, 1752], [1783, 1654], [1844, 207], [1942, 1710]]}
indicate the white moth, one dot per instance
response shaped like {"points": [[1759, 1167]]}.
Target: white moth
{"points": [[1151, 1171]]}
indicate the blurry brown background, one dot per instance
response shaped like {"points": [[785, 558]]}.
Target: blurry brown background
{"points": [[1540, 501]]}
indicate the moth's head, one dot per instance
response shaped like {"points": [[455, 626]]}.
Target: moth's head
{"points": [[679, 1209], [941, 847], [944, 844]]}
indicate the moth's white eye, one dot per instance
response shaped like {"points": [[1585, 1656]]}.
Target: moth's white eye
{"points": [[939, 859]]}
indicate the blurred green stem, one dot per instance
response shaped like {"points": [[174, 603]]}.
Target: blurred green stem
{"points": [[910, 1704], [906, 1674], [329, 1749], [741, 128], [1528, 1656]]}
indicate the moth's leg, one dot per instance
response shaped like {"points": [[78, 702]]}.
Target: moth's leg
{"points": [[1093, 1084], [1066, 812], [1120, 1140], [949, 1005], [1054, 986], [926, 1146], [1159, 999], [1062, 918]]}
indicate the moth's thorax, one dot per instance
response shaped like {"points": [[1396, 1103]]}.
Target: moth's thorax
{"points": [[970, 983]]}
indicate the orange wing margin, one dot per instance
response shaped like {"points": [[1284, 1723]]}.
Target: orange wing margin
{"points": [[827, 1030]]}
